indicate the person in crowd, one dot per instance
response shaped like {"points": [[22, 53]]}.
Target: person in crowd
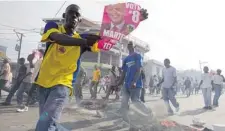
{"points": [[155, 82], [120, 72], [113, 79], [21, 73], [192, 86], [78, 85], [142, 98], [183, 86], [33, 95], [107, 82], [218, 80], [131, 77], [159, 87], [59, 66], [26, 83], [151, 83], [206, 85], [5, 74], [179, 86], [168, 81], [187, 84], [95, 82], [196, 87], [102, 83]]}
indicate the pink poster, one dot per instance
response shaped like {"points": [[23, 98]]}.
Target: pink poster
{"points": [[118, 21]]}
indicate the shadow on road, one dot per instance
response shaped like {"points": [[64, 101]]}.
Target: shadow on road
{"points": [[181, 97], [86, 123], [152, 100], [192, 112], [8, 107]]}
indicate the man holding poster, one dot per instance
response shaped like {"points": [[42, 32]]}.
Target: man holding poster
{"points": [[118, 21]]}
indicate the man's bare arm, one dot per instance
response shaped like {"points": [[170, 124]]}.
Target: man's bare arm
{"points": [[137, 75], [66, 40], [174, 82], [200, 83], [160, 82]]}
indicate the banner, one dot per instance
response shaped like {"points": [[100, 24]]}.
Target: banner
{"points": [[118, 21]]}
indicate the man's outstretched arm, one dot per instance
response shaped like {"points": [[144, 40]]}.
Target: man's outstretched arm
{"points": [[52, 34]]}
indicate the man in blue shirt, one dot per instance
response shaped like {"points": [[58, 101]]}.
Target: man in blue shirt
{"points": [[133, 83]]}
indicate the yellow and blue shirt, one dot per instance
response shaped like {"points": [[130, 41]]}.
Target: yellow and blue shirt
{"points": [[60, 63]]}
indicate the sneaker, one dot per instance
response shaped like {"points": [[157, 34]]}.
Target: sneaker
{"points": [[209, 108], [215, 106], [104, 98], [205, 107], [23, 109]]}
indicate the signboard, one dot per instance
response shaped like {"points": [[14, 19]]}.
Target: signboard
{"points": [[118, 21], [17, 47]]}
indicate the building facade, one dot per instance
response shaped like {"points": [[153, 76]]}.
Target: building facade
{"points": [[151, 68]]}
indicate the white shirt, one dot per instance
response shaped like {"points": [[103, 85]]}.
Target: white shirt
{"points": [[120, 26], [28, 78], [36, 69], [155, 81], [6, 67], [206, 80], [112, 78], [218, 79], [169, 76]]}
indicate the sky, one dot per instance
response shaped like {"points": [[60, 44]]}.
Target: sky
{"points": [[185, 31]]}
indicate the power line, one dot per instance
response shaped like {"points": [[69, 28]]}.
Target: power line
{"points": [[32, 30], [6, 33], [6, 29], [60, 9], [8, 39]]}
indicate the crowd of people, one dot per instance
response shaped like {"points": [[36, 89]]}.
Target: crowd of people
{"points": [[23, 82], [56, 74]]}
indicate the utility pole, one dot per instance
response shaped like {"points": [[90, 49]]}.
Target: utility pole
{"points": [[18, 47]]}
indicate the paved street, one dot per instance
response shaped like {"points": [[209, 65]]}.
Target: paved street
{"points": [[85, 120]]}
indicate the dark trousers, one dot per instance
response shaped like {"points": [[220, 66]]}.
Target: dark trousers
{"points": [[93, 89], [218, 90], [142, 95], [32, 95], [24, 87], [77, 88], [169, 95], [13, 90], [2, 85]]}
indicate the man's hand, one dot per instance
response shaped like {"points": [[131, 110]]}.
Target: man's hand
{"points": [[144, 14], [158, 84], [91, 38]]}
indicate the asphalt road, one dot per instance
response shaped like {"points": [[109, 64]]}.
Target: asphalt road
{"points": [[85, 120]]}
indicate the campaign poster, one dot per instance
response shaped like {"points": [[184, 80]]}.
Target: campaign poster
{"points": [[118, 21]]}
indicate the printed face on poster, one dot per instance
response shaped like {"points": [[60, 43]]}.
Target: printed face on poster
{"points": [[119, 20]]}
